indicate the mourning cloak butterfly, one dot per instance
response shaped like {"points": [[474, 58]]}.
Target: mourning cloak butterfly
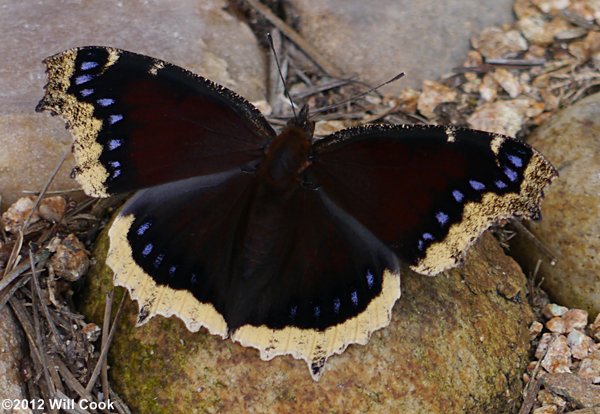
{"points": [[286, 244]]}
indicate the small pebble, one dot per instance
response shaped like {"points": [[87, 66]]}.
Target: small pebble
{"points": [[552, 309], [580, 344], [595, 328], [546, 409], [71, 260], [575, 319], [535, 329], [556, 325], [558, 356], [543, 344], [14, 217], [91, 331], [590, 367], [53, 208]]}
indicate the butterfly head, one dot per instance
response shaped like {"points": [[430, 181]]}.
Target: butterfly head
{"points": [[301, 121]]}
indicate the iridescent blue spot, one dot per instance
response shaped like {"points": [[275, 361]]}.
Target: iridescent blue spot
{"points": [[458, 196], [516, 161], [511, 174], [158, 260], [143, 228], [86, 92], [336, 305], [83, 79], [115, 164], [442, 218], [370, 279], [113, 119], [420, 245], [428, 236], [317, 312], [476, 185], [114, 144], [147, 249], [500, 184], [88, 65], [105, 101], [172, 271], [354, 298], [293, 311], [116, 173], [194, 279]]}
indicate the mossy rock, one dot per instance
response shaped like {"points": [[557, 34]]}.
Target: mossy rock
{"points": [[457, 343]]}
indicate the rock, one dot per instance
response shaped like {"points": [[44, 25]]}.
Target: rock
{"points": [[571, 210], [14, 217], [556, 325], [535, 329], [52, 208], [455, 345], [434, 93], [201, 37], [552, 309], [580, 344], [501, 117], [575, 319], [494, 42], [558, 356], [575, 389], [590, 367], [419, 38], [546, 409], [595, 327], [593, 410], [71, 259], [543, 345], [11, 356]]}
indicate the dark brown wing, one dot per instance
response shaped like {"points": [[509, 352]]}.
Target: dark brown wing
{"points": [[429, 191], [139, 121]]}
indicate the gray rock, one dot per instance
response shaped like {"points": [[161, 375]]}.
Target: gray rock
{"points": [[575, 389], [570, 224], [378, 39], [199, 36]]}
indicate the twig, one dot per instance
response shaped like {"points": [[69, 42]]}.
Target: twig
{"points": [[4, 298], [532, 237], [36, 353], [75, 410], [38, 258], [530, 395], [298, 40], [104, 352], [70, 379], [39, 341], [105, 325], [44, 306]]}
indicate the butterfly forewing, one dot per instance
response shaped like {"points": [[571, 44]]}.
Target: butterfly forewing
{"points": [[429, 191], [140, 122]]}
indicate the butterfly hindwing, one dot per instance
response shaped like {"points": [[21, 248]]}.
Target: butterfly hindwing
{"points": [[258, 267], [429, 191], [139, 121]]}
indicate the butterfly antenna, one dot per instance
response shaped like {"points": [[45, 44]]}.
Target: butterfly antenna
{"points": [[360, 95], [285, 89]]}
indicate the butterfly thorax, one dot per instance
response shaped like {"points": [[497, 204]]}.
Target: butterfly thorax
{"points": [[285, 159]]}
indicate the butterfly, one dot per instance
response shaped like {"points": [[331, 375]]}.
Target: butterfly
{"points": [[285, 243]]}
